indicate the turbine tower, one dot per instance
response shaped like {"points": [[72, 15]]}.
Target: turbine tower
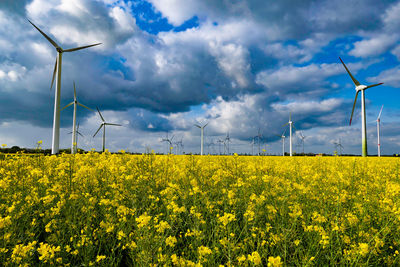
{"points": [[55, 146], [74, 130], [103, 124], [202, 136], [378, 129], [362, 88], [290, 123]]}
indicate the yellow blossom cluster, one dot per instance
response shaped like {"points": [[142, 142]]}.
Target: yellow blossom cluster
{"points": [[148, 210]]}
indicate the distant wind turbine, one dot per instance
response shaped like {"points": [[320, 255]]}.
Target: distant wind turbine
{"points": [[74, 137], [259, 137], [220, 142], [378, 130], [77, 133], [202, 136], [283, 141], [227, 141], [179, 146], [103, 124], [55, 146], [290, 123], [362, 88], [338, 145], [302, 137], [169, 141], [253, 141]]}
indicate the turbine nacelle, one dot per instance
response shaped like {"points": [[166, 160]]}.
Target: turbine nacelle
{"points": [[361, 87]]}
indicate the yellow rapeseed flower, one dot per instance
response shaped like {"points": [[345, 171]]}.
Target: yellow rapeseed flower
{"points": [[274, 261]]}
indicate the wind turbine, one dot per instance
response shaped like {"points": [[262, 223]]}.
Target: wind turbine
{"points": [[55, 146], [338, 145], [283, 141], [362, 88], [259, 136], [210, 144], [179, 146], [169, 142], [253, 141], [220, 141], [227, 141], [103, 124], [302, 137], [378, 129], [290, 123], [78, 133], [75, 103], [202, 136]]}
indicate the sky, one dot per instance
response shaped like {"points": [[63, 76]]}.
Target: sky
{"points": [[165, 65]]}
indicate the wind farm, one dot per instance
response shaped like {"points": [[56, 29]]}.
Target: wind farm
{"points": [[256, 141], [57, 76], [199, 133]]}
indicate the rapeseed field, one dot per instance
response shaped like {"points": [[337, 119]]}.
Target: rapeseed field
{"points": [[119, 209]]}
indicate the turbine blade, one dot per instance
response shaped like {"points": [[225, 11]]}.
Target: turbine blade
{"points": [[79, 133], [67, 105], [79, 48], [74, 91], [100, 114], [373, 85], [98, 129], [284, 132], [351, 76], [54, 74], [285, 124], [354, 105], [84, 106], [77, 127], [198, 126], [206, 124], [380, 112], [112, 124], [45, 36]]}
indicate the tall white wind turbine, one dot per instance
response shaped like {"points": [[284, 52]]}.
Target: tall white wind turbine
{"points": [[55, 146], [290, 123], [202, 136], [362, 88], [283, 141], [103, 124], [74, 130], [378, 130]]}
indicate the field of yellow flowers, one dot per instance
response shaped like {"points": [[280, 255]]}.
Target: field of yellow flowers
{"points": [[120, 209]]}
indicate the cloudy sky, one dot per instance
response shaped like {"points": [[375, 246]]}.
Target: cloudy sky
{"points": [[164, 65]]}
